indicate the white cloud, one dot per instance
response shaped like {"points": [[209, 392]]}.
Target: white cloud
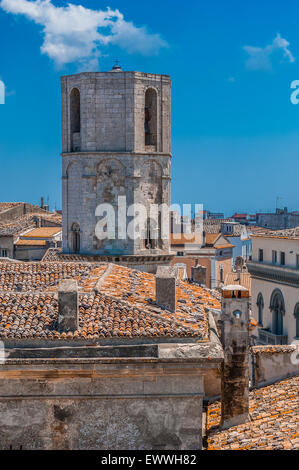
{"points": [[77, 34], [262, 58]]}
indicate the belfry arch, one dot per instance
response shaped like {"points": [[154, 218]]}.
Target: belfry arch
{"points": [[150, 118]]}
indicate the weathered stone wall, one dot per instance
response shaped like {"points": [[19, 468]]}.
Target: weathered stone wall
{"points": [[235, 367], [18, 211], [278, 221], [97, 404], [111, 157], [30, 253], [7, 243], [91, 180], [112, 111], [273, 363]]}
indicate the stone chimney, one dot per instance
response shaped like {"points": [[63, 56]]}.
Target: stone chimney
{"points": [[166, 288], [68, 306], [199, 274], [235, 368]]}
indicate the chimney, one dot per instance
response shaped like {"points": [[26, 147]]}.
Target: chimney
{"points": [[166, 288], [42, 202], [199, 274], [235, 368], [68, 306]]}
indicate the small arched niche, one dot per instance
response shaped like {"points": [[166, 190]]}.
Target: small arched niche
{"points": [[150, 118], [75, 238], [75, 120]]}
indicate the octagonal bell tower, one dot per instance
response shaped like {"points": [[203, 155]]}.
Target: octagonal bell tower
{"points": [[115, 146]]}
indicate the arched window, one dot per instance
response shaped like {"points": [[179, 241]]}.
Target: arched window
{"points": [[260, 306], [237, 313], [278, 310], [296, 314], [75, 238], [75, 119], [150, 118], [152, 234]]}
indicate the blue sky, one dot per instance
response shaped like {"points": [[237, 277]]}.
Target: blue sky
{"points": [[235, 133]]}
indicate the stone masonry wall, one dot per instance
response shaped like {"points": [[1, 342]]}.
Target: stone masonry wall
{"points": [[113, 159], [85, 404], [269, 364]]}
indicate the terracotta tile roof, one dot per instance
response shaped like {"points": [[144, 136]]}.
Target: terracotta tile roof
{"points": [[214, 226], [222, 247], [119, 304], [4, 206], [52, 254], [291, 233], [269, 349], [211, 238], [46, 276], [43, 232], [55, 254], [274, 415], [31, 243], [242, 278], [20, 224]]}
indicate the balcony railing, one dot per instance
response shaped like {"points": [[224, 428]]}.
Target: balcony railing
{"points": [[279, 274], [266, 337]]}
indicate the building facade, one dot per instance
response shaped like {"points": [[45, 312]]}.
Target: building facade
{"points": [[278, 220], [208, 259], [115, 150], [275, 285]]}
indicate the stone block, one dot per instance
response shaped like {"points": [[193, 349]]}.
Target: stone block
{"points": [[68, 305], [166, 288]]}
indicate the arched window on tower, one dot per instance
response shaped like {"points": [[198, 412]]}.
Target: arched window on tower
{"points": [[296, 314], [278, 310], [75, 120], [75, 238], [150, 118], [260, 306], [152, 235]]}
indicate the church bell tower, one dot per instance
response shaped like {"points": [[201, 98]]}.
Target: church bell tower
{"points": [[116, 147]]}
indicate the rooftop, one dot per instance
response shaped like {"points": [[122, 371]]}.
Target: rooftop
{"points": [[31, 243], [273, 421], [114, 301], [185, 238], [243, 278], [20, 224], [290, 233], [4, 206], [42, 232], [214, 226]]}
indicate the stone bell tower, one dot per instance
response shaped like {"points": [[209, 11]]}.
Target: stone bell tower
{"points": [[116, 147], [235, 368]]}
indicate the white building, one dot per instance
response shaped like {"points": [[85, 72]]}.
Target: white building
{"points": [[275, 285]]}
